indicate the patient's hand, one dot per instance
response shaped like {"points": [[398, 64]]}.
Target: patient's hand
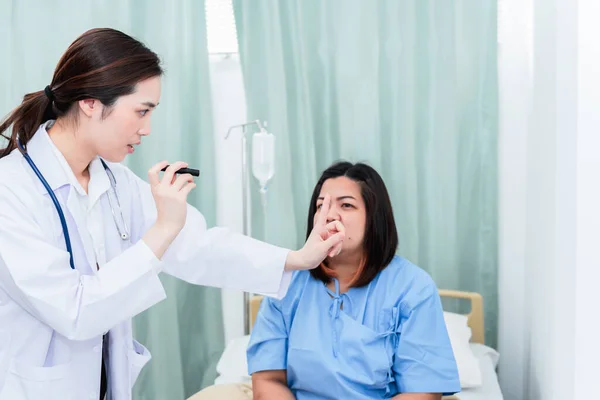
{"points": [[418, 396], [271, 385]]}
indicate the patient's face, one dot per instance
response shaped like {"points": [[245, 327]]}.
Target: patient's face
{"points": [[348, 207]]}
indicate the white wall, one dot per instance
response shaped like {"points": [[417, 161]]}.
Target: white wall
{"points": [[587, 348], [515, 55], [549, 214], [551, 211]]}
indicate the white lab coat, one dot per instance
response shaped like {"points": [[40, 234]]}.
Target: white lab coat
{"points": [[52, 318]]}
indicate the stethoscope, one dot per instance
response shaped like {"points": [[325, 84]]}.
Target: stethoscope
{"points": [[123, 233]]}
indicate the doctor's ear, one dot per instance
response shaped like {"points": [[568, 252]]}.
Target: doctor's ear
{"points": [[90, 107]]}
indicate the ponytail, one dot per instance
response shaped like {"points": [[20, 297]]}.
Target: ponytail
{"points": [[102, 64], [25, 120]]}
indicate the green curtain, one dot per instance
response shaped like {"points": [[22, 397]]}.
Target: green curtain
{"points": [[408, 86], [185, 332]]}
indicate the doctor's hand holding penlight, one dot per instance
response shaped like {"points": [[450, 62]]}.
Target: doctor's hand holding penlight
{"points": [[170, 196]]}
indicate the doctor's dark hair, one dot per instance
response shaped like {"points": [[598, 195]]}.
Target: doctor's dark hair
{"points": [[381, 237], [102, 64]]}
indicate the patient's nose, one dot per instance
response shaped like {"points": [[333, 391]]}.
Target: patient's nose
{"points": [[333, 214]]}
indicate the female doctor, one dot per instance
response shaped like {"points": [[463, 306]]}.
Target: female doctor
{"points": [[82, 239]]}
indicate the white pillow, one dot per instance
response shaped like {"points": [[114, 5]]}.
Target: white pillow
{"points": [[232, 366], [460, 334]]}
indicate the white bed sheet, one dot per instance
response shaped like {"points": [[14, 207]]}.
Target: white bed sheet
{"points": [[490, 389], [232, 368]]}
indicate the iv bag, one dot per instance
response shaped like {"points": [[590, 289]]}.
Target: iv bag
{"points": [[263, 157]]}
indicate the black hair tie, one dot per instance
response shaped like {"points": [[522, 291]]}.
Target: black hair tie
{"points": [[49, 93]]}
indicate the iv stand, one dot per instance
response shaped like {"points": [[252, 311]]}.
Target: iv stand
{"points": [[247, 224]]}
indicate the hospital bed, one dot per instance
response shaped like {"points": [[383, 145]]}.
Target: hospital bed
{"points": [[476, 361]]}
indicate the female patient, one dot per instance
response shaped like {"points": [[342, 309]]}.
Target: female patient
{"points": [[367, 324]]}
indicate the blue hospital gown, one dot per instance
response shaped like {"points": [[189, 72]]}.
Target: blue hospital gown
{"points": [[372, 342]]}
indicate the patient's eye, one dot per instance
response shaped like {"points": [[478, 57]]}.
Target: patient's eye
{"points": [[347, 205]]}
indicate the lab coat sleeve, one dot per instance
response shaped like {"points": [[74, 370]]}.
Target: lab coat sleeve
{"points": [[217, 256], [36, 274], [424, 361]]}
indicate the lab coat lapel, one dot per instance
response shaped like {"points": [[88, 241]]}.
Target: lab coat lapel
{"points": [[120, 338], [77, 213]]}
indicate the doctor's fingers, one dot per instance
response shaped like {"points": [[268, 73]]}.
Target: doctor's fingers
{"points": [[331, 228], [334, 244], [323, 211], [335, 226], [337, 249], [168, 177], [153, 172], [187, 189], [181, 180], [333, 234]]}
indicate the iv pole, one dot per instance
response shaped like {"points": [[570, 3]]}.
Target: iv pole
{"points": [[247, 224]]}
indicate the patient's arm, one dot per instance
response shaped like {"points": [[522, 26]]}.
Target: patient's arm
{"points": [[272, 385], [418, 396]]}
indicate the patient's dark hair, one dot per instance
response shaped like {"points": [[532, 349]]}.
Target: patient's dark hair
{"points": [[381, 237]]}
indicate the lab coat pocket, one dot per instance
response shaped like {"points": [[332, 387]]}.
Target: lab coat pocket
{"points": [[138, 357], [25, 381]]}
